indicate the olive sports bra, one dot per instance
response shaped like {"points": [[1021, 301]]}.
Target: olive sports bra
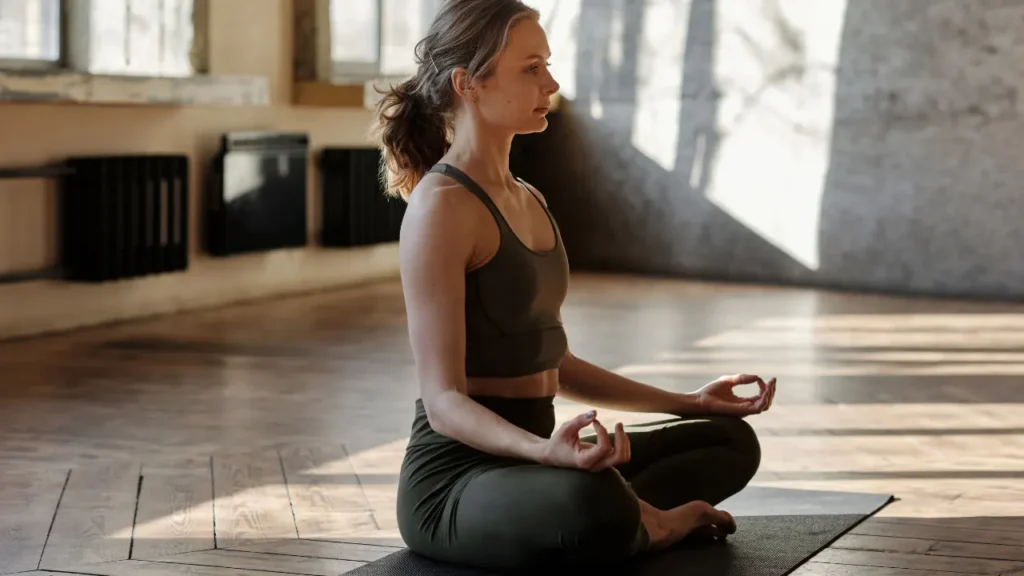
{"points": [[513, 302]]}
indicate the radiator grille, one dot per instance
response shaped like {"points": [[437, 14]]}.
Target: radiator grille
{"points": [[124, 217], [355, 210]]}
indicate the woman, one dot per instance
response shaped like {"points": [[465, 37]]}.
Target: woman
{"points": [[487, 480]]}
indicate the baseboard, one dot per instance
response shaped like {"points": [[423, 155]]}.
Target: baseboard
{"points": [[46, 306]]}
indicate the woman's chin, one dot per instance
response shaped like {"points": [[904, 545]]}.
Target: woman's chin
{"points": [[538, 123]]}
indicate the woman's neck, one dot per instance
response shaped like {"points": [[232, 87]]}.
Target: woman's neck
{"points": [[481, 151]]}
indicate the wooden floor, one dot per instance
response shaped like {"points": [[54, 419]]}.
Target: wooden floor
{"points": [[267, 438]]}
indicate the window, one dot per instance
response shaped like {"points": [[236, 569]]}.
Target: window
{"points": [[377, 38], [29, 33], [122, 37], [135, 37]]}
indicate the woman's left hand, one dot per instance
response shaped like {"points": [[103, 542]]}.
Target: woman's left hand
{"points": [[718, 396]]}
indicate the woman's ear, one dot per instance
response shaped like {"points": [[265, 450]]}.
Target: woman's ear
{"points": [[462, 84], [460, 81]]}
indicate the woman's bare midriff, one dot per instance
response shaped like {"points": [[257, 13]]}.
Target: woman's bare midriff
{"points": [[533, 386]]}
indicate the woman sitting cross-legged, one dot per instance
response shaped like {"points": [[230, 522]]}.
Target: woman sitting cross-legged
{"points": [[489, 478]]}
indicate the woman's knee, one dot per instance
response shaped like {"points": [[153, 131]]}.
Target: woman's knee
{"points": [[745, 443]]}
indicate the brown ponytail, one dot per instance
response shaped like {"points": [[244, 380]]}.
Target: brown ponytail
{"points": [[414, 117], [413, 135]]}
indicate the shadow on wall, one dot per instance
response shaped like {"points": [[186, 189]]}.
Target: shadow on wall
{"points": [[818, 144], [618, 208]]}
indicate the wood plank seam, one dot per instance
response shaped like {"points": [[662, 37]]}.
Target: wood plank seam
{"points": [[335, 557], [59, 572], [213, 502], [288, 491], [225, 564], [362, 490], [135, 517], [911, 523], [340, 541], [226, 569], [53, 520]]}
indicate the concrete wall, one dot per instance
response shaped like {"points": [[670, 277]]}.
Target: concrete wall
{"points": [[846, 143], [247, 37]]}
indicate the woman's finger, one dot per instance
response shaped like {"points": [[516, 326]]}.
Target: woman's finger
{"points": [[621, 443], [619, 454], [595, 454], [604, 443], [765, 398]]}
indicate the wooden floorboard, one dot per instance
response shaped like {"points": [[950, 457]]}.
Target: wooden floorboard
{"points": [[939, 533], [321, 549], [314, 566], [153, 568], [28, 502], [44, 573], [918, 561], [326, 495], [94, 518], [267, 438], [175, 513], [250, 499], [824, 569]]}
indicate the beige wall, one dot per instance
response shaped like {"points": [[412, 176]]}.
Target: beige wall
{"points": [[246, 37]]}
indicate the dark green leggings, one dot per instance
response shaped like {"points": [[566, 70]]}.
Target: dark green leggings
{"points": [[462, 506]]}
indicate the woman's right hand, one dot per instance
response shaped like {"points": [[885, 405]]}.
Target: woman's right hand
{"points": [[565, 449]]}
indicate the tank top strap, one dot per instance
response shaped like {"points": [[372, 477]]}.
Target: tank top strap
{"points": [[471, 185], [551, 217]]}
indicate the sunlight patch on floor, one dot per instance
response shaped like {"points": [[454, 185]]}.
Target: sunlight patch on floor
{"points": [[817, 369]]}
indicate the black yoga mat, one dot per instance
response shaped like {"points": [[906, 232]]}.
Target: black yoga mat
{"points": [[778, 530]]}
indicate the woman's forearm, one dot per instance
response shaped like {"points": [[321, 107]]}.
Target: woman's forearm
{"points": [[586, 383], [459, 417]]}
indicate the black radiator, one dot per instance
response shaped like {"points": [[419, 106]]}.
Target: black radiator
{"points": [[256, 193], [124, 217], [355, 210]]}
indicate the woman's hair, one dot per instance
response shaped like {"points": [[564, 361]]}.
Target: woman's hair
{"points": [[414, 117]]}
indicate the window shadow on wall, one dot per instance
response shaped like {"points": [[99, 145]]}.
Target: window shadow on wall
{"points": [[618, 209], [862, 165]]}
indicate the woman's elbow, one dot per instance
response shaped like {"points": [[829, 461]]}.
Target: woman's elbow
{"points": [[437, 409]]}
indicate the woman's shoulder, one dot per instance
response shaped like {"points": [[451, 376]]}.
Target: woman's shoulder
{"points": [[441, 208], [437, 192]]}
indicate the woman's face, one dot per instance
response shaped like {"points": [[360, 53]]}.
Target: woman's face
{"points": [[517, 94]]}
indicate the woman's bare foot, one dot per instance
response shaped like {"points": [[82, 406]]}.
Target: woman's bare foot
{"points": [[668, 527]]}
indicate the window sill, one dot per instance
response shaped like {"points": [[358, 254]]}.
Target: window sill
{"points": [[351, 94], [330, 94], [76, 87]]}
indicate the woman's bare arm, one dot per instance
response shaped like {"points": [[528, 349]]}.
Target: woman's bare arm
{"points": [[436, 245], [587, 383]]}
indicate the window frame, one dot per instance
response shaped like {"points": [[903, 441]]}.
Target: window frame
{"points": [[198, 53], [42, 64], [30, 64], [342, 72]]}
